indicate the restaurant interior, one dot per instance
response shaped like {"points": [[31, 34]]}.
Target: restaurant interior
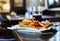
{"points": [[29, 20]]}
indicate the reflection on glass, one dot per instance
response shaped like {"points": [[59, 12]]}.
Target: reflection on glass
{"points": [[54, 2], [51, 2]]}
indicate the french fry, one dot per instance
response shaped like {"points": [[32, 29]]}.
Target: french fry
{"points": [[34, 24]]}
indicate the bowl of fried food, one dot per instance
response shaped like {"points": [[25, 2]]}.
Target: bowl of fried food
{"points": [[35, 24]]}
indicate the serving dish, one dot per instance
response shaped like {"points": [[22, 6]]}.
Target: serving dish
{"points": [[28, 25], [25, 29]]}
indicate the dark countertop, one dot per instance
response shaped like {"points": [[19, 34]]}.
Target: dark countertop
{"points": [[44, 17], [49, 35], [51, 18], [6, 35]]}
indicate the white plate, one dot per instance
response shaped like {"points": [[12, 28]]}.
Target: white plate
{"points": [[27, 29]]}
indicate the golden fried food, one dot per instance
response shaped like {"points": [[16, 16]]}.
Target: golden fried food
{"points": [[34, 24]]}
